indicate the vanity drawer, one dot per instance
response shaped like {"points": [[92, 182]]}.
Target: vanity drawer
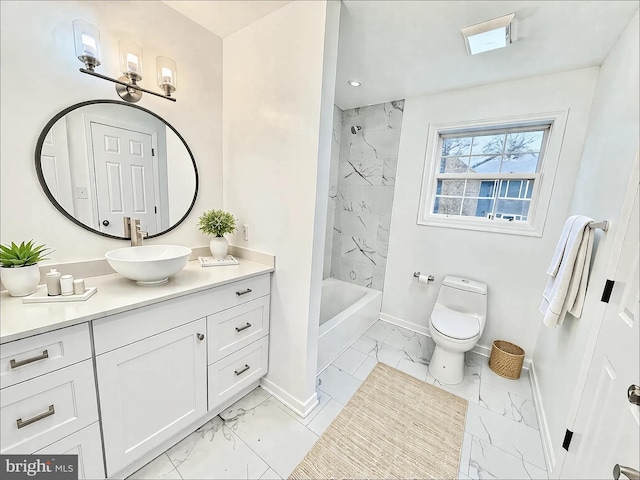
{"points": [[41, 411], [237, 327], [242, 291], [233, 373], [87, 445], [33, 356]]}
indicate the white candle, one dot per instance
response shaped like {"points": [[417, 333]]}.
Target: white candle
{"points": [[89, 45], [166, 75], [132, 63]]}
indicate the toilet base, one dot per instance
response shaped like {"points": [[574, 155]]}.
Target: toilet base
{"points": [[447, 367]]}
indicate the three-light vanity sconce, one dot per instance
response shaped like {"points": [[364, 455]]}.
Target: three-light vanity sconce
{"points": [[87, 42]]}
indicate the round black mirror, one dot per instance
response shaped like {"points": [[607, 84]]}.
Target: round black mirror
{"points": [[103, 160]]}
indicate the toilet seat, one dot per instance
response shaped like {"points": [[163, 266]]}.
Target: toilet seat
{"points": [[454, 324]]}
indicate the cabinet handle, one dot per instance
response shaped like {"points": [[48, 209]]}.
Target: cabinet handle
{"points": [[46, 414], [239, 329], [240, 372], [248, 290], [200, 336], [14, 364]]}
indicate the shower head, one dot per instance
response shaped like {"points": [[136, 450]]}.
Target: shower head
{"points": [[355, 129]]}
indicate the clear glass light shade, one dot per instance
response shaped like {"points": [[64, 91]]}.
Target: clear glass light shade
{"points": [[130, 59], [167, 74], [87, 43]]}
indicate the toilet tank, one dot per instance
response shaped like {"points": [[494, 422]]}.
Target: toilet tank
{"points": [[463, 295]]}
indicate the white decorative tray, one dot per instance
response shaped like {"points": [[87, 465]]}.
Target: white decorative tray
{"points": [[42, 297], [210, 262]]}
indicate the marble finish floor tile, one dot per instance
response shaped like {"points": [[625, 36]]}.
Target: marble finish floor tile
{"points": [[465, 455], [469, 388], [270, 475], [517, 408], [158, 468], [386, 354], [415, 369], [365, 369], [418, 348], [279, 439], [248, 402], [488, 461], [501, 432], [215, 452], [339, 385], [350, 360], [364, 344], [320, 423], [379, 330], [521, 386]]}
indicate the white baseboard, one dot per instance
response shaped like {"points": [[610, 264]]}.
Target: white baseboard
{"points": [[483, 350], [545, 436], [414, 327], [300, 408]]}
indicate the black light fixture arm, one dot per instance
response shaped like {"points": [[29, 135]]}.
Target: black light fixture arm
{"points": [[125, 84]]}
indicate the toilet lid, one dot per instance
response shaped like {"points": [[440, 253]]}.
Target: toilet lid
{"points": [[454, 324]]}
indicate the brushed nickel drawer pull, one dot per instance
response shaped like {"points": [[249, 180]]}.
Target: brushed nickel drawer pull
{"points": [[46, 414], [239, 329], [240, 372], [248, 290], [14, 364]]}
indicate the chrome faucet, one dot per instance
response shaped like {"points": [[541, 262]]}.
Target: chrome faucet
{"points": [[132, 230]]}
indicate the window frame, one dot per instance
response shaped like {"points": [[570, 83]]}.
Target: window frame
{"points": [[543, 177]]}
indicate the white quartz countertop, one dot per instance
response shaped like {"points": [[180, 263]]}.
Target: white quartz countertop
{"points": [[115, 294]]}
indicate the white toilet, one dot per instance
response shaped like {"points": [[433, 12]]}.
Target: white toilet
{"points": [[456, 323]]}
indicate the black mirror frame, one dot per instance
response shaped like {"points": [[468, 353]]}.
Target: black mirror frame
{"points": [[43, 183]]}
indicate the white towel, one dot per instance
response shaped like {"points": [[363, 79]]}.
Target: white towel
{"points": [[569, 271]]}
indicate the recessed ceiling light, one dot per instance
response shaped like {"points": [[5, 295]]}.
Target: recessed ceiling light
{"points": [[489, 35], [354, 83]]}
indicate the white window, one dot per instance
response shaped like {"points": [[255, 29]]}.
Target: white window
{"points": [[492, 176]]}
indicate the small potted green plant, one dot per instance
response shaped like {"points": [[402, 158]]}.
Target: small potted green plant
{"points": [[20, 271], [217, 223]]}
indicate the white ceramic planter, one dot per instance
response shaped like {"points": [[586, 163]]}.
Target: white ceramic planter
{"points": [[20, 281], [219, 247]]}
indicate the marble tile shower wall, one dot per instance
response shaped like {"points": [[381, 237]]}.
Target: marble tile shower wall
{"points": [[333, 182], [362, 196]]}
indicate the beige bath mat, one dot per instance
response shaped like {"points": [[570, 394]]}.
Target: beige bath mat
{"points": [[395, 426]]}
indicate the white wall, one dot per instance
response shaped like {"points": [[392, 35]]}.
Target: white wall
{"points": [[512, 266], [39, 77], [609, 152], [277, 127]]}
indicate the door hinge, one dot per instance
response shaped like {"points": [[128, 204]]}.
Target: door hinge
{"points": [[567, 439], [606, 293], [155, 210], [153, 152]]}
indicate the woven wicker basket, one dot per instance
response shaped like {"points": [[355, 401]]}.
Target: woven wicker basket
{"points": [[506, 359]]}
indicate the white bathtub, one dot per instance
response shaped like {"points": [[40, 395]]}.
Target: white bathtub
{"points": [[346, 311]]}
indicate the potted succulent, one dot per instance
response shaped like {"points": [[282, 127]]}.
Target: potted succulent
{"points": [[217, 223], [20, 271]]}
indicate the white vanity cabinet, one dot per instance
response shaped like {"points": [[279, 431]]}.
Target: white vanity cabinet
{"points": [[153, 364], [48, 400]]}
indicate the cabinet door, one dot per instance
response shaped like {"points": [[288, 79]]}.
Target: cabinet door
{"points": [[151, 389]]}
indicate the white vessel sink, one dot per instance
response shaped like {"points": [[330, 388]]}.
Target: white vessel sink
{"points": [[149, 264]]}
